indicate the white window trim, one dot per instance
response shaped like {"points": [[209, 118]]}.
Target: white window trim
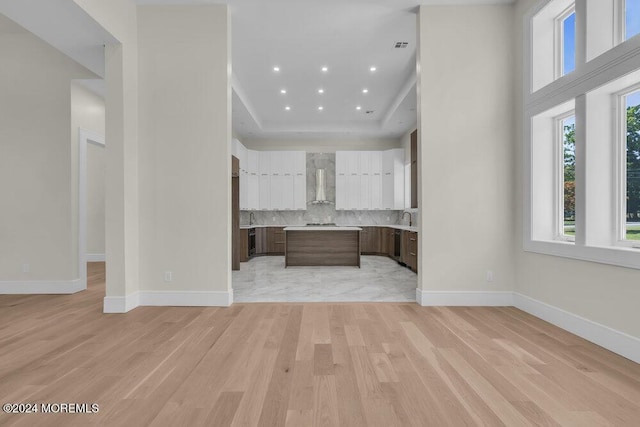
{"points": [[559, 177], [613, 64], [620, 167], [559, 40], [620, 22]]}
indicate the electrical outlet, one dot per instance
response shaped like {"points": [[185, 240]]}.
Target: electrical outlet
{"points": [[26, 268], [388, 218], [168, 276], [489, 276]]}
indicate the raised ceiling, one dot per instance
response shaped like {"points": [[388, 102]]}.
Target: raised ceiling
{"points": [[300, 37]]}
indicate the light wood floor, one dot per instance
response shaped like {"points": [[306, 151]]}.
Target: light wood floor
{"points": [[297, 365]]}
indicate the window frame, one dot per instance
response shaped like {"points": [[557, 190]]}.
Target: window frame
{"points": [[620, 166], [558, 160], [558, 26], [595, 240]]}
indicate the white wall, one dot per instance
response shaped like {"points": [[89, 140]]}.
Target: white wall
{"points": [[122, 217], [88, 112], [465, 110], [95, 200], [185, 148], [321, 145], [35, 158], [601, 293]]}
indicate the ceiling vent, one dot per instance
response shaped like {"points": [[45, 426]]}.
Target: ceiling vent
{"points": [[401, 45]]}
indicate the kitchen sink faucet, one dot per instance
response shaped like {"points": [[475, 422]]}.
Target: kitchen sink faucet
{"points": [[410, 221]]}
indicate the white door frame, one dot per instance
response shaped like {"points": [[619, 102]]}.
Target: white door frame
{"points": [[84, 137]]}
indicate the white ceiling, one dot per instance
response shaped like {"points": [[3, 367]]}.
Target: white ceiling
{"points": [[300, 37]]}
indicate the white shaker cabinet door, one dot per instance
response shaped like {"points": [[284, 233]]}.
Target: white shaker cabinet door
{"points": [[300, 192], [265, 192], [341, 192]]}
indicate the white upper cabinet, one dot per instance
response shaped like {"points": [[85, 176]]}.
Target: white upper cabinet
{"points": [[264, 162], [253, 188], [341, 191], [300, 162], [353, 162], [300, 192], [376, 162], [264, 192], [276, 163], [376, 191], [365, 162], [377, 183], [253, 159], [341, 163], [365, 192]]}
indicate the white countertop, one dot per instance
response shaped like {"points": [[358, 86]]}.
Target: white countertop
{"points": [[395, 226], [320, 228]]}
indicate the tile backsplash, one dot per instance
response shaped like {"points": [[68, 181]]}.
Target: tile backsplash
{"points": [[322, 213]]}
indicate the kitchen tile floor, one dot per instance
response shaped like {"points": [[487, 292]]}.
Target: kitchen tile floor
{"points": [[380, 279]]}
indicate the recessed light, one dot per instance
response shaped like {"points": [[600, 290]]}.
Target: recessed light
{"points": [[325, 69], [283, 91], [365, 90], [321, 108], [287, 108], [276, 69], [320, 90], [372, 69], [358, 108]]}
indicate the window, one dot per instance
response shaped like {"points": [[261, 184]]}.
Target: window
{"points": [[567, 154], [630, 169], [566, 25], [631, 18], [553, 43], [582, 131]]}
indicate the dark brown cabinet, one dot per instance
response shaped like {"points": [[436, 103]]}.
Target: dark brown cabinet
{"points": [[275, 240], [261, 241], [409, 250], [390, 235], [371, 240], [244, 245]]}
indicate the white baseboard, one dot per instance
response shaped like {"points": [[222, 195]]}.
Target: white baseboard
{"points": [[96, 258], [121, 304], [46, 287], [609, 338], [464, 298], [604, 336], [167, 299]]}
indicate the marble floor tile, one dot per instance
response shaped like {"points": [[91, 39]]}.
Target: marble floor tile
{"points": [[380, 279]]}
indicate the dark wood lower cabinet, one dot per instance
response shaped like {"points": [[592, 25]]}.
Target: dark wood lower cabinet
{"points": [[391, 237], [371, 240], [244, 245], [409, 250], [275, 240], [261, 241]]}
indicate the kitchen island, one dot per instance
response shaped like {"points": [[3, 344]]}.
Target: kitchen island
{"points": [[322, 246]]}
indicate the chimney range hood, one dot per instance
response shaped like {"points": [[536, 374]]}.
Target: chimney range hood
{"points": [[321, 185]]}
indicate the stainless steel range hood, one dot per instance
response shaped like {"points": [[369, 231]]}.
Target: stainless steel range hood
{"points": [[321, 186]]}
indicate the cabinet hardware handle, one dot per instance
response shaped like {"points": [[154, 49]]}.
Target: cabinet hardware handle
{"points": [[412, 239], [411, 253]]}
